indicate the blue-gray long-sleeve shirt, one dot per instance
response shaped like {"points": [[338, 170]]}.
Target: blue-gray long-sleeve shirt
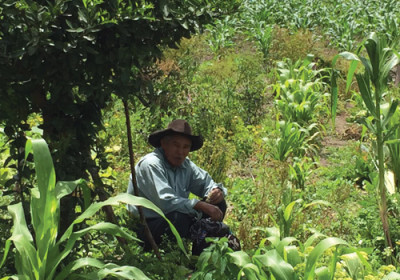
{"points": [[169, 187]]}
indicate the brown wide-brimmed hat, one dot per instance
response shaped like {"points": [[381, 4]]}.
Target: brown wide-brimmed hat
{"points": [[179, 127]]}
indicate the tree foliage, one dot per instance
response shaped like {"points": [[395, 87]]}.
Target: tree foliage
{"points": [[63, 59]]}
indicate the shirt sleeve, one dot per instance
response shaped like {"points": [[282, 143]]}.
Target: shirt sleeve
{"points": [[153, 182], [202, 183]]}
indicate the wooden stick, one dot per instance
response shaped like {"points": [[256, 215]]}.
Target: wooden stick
{"points": [[147, 231]]}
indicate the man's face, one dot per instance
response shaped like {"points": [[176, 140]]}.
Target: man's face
{"points": [[176, 148]]}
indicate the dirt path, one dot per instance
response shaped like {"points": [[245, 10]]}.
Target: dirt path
{"points": [[344, 131]]}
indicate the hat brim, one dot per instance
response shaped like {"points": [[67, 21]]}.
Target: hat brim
{"points": [[155, 138]]}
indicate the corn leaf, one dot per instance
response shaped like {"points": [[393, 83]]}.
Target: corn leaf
{"points": [[116, 200], [104, 270], [280, 269], [366, 93], [353, 264], [240, 258], [282, 245], [392, 276], [353, 66], [44, 208], [289, 209], [103, 226], [251, 272], [322, 273], [372, 45], [312, 238], [64, 188], [292, 255], [26, 261], [317, 252], [392, 110]]}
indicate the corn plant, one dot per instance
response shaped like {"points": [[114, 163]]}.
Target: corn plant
{"points": [[40, 255], [300, 170], [277, 258], [293, 140], [299, 90], [286, 211], [221, 34], [373, 85], [262, 33]]}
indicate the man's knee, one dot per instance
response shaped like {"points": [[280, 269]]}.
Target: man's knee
{"points": [[181, 221]]}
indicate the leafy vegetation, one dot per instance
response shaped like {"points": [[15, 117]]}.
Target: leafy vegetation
{"points": [[306, 142], [39, 256]]}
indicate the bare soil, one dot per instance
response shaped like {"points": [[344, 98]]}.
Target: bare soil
{"points": [[344, 131]]}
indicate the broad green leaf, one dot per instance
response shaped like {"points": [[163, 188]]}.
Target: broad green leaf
{"points": [[75, 265], [283, 243], [203, 259], [26, 259], [392, 110], [16, 277], [392, 276], [251, 271], [292, 255], [280, 269], [28, 148], [69, 246], [353, 264], [87, 195], [116, 200], [312, 238], [319, 202], [289, 209], [240, 258], [322, 273], [64, 188], [353, 66], [389, 65], [372, 45], [121, 272], [349, 56], [352, 69], [6, 249], [366, 93], [393, 141], [104, 270], [44, 209], [317, 252]]}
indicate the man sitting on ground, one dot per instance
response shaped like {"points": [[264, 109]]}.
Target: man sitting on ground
{"points": [[166, 177]]}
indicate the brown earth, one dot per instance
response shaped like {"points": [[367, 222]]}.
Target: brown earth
{"points": [[344, 131]]}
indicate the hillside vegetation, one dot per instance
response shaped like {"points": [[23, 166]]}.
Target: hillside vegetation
{"points": [[297, 103]]}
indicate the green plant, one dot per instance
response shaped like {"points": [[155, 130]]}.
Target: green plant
{"points": [[221, 34], [278, 259], [300, 171], [214, 262], [287, 211], [373, 84], [293, 140], [299, 90], [262, 34], [40, 255]]}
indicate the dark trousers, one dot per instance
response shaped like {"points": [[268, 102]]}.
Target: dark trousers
{"points": [[182, 222]]}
